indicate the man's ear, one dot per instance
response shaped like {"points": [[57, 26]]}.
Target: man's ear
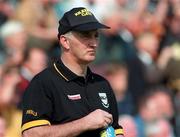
{"points": [[64, 42]]}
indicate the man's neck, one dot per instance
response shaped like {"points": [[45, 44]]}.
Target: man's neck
{"points": [[74, 66]]}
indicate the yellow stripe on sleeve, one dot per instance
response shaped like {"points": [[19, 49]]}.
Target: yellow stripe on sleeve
{"points": [[35, 124], [119, 131]]}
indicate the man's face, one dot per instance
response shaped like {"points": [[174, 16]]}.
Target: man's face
{"points": [[83, 45]]}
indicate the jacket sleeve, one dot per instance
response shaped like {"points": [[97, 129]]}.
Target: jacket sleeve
{"points": [[37, 105]]}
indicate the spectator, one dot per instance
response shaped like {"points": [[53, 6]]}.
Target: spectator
{"points": [[35, 60], [164, 101], [143, 69], [159, 128], [173, 32], [14, 37], [149, 108], [128, 125], [116, 42], [117, 75], [147, 15], [40, 21], [10, 78]]}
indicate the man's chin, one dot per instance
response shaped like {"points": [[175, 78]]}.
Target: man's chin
{"points": [[89, 60]]}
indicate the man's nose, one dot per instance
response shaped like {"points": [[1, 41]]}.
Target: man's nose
{"points": [[93, 42]]}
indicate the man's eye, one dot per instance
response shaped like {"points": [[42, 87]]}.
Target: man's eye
{"points": [[88, 34], [84, 34]]}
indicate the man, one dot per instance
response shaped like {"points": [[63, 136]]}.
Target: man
{"points": [[14, 38], [67, 99], [34, 61]]}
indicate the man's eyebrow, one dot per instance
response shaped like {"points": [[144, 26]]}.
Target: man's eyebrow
{"points": [[87, 32]]}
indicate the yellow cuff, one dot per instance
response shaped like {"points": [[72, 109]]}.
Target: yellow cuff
{"points": [[119, 131], [35, 124]]}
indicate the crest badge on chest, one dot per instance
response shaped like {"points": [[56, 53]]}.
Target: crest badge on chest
{"points": [[104, 100]]}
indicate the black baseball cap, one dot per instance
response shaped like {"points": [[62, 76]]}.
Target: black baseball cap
{"points": [[79, 19]]}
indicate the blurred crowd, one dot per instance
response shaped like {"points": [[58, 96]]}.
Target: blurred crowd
{"points": [[139, 56]]}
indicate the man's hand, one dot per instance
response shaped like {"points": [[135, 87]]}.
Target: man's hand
{"points": [[98, 119]]}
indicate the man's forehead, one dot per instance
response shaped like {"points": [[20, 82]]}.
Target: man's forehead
{"points": [[86, 32]]}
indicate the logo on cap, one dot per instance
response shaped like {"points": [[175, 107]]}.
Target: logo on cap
{"points": [[83, 12]]}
